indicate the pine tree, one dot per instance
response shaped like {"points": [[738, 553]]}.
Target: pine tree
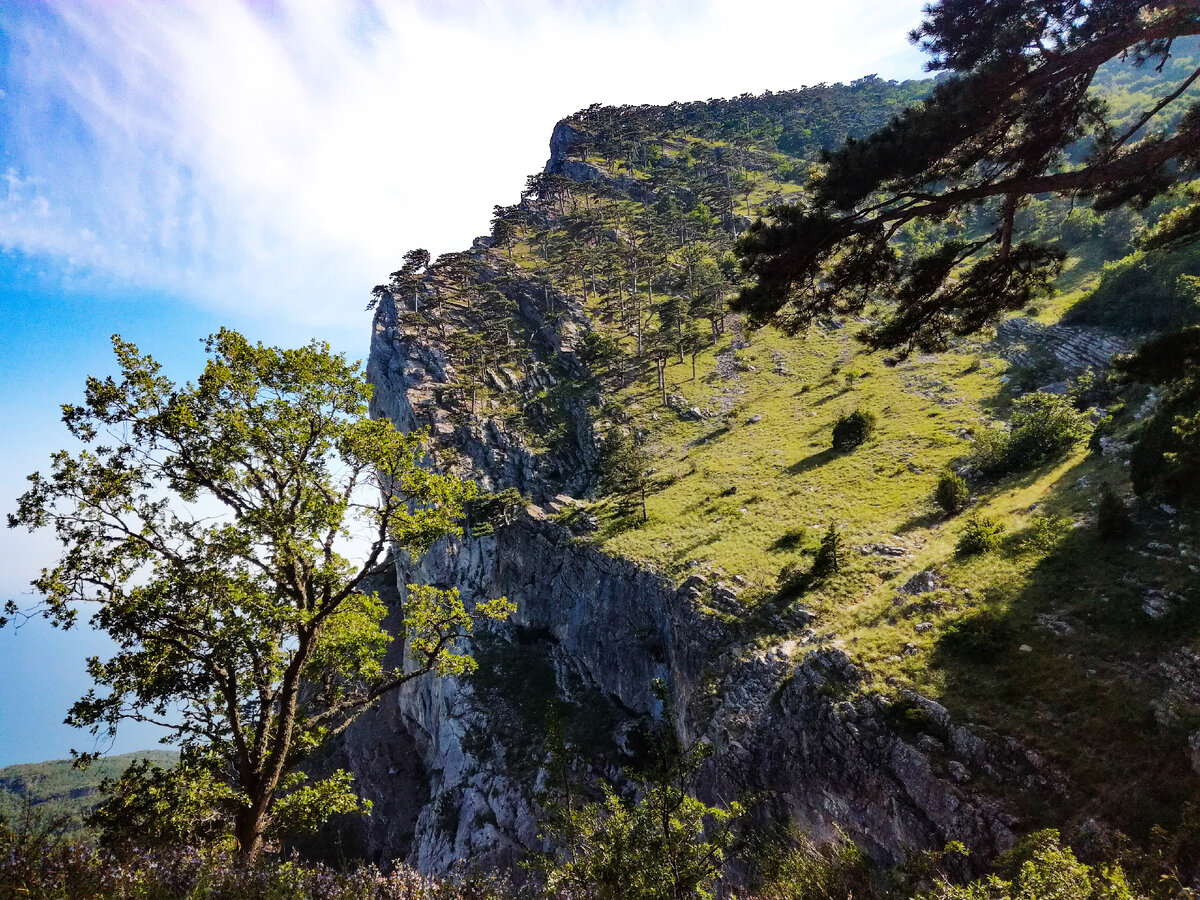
{"points": [[994, 132]]}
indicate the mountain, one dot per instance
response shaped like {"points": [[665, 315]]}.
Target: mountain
{"points": [[970, 676], [57, 792]]}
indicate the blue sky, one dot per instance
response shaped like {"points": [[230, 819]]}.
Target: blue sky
{"points": [[169, 168]]}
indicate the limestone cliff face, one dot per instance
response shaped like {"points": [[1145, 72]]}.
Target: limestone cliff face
{"points": [[790, 722]]}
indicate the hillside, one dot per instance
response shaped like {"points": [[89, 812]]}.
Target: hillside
{"points": [[57, 792], [1051, 680]]}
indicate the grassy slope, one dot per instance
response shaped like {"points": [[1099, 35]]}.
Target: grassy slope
{"points": [[739, 500], [57, 790], [1084, 699]]}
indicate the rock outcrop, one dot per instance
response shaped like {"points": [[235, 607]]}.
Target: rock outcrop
{"points": [[796, 723]]}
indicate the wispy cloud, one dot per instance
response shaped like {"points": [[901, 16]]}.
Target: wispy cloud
{"points": [[283, 155]]}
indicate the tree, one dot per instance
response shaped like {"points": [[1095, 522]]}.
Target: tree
{"points": [[663, 844], [209, 524], [995, 132], [624, 464]]}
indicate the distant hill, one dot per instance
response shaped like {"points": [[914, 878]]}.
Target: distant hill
{"points": [[56, 789]]}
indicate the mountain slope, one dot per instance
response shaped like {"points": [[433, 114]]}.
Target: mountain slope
{"points": [[914, 696]]}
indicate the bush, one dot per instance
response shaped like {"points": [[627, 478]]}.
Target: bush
{"points": [[1044, 427], [1165, 462], [1112, 518], [852, 430], [979, 535], [951, 493]]}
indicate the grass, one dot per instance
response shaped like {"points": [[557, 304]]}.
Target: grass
{"points": [[742, 499], [749, 489]]}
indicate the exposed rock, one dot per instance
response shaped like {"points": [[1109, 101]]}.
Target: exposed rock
{"points": [[923, 582], [797, 723], [1156, 603], [1053, 623], [1074, 348]]}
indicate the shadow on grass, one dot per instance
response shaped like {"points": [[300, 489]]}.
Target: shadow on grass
{"points": [[920, 520], [1067, 661], [713, 435], [813, 461]]}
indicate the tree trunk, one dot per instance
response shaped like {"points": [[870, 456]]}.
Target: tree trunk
{"points": [[248, 829]]}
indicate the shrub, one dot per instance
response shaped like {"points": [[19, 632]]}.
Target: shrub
{"points": [[1043, 427], [1045, 533], [852, 430], [1112, 518], [979, 535], [1165, 462], [951, 493]]}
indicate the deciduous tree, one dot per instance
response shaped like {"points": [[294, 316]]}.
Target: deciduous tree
{"points": [[213, 525]]}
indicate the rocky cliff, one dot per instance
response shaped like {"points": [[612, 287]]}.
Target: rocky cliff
{"points": [[795, 721]]}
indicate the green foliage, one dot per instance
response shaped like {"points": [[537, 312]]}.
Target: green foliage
{"points": [[1045, 533], [1043, 870], [991, 134], [1043, 427], [799, 868], [151, 806], [1165, 461], [624, 464], [248, 625], [979, 535], [662, 846], [853, 429], [60, 790], [303, 807], [1142, 293], [828, 560], [1112, 517], [951, 493]]}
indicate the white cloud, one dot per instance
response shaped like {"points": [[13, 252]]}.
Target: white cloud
{"points": [[286, 159]]}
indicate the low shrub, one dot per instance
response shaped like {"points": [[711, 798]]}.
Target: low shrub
{"points": [[1043, 427], [1112, 518], [979, 535], [852, 430], [951, 493], [1045, 533]]}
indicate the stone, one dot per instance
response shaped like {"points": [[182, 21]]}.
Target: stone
{"points": [[1025, 648], [1053, 623], [924, 582], [924, 627], [1156, 603], [754, 420]]}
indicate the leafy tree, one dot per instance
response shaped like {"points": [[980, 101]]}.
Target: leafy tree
{"points": [[1043, 869], [994, 132], [979, 535], [1043, 428], [662, 844], [209, 524]]}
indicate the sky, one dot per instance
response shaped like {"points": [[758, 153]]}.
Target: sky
{"points": [[168, 168]]}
